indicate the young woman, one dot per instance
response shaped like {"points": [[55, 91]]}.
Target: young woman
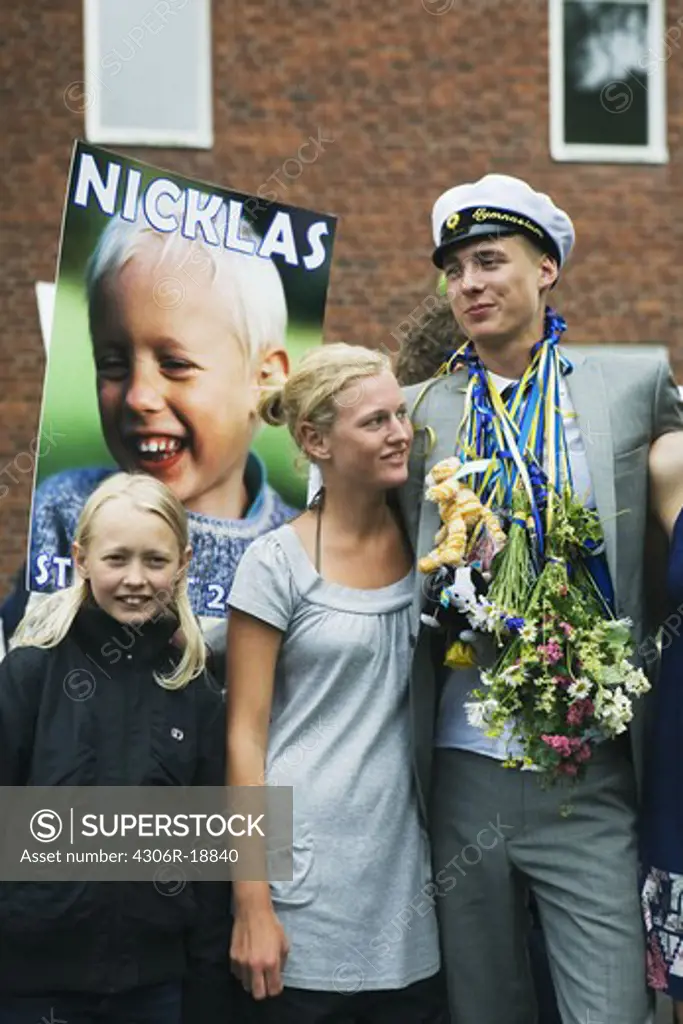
{"points": [[318, 657], [114, 952], [662, 829]]}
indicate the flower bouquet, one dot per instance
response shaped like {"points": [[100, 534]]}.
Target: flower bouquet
{"points": [[563, 680]]}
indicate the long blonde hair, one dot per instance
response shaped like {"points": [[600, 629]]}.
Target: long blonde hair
{"points": [[48, 622], [310, 393]]}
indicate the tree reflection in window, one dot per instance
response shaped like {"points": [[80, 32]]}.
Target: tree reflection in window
{"points": [[605, 72]]}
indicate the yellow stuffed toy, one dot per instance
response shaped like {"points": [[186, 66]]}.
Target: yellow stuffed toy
{"points": [[469, 532], [462, 516]]}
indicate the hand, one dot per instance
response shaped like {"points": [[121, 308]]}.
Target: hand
{"points": [[258, 952]]}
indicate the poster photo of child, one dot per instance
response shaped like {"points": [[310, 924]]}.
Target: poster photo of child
{"points": [[176, 303]]}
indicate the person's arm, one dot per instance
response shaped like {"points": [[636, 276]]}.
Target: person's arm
{"points": [[666, 479], [259, 946], [263, 601], [667, 422], [668, 407], [666, 501]]}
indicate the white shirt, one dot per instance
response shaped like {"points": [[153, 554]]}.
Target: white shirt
{"points": [[453, 729]]}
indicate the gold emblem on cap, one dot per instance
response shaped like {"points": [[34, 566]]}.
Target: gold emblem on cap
{"points": [[453, 221]]}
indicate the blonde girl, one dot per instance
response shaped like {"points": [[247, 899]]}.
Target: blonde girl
{"points": [[95, 693]]}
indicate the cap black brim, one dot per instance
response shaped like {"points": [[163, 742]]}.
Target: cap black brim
{"points": [[474, 231]]}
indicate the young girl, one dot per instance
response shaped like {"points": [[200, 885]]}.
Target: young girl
{"points": [[115, 952], [318, 658]]}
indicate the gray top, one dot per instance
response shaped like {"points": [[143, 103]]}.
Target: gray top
{"points": [[360, 910]]}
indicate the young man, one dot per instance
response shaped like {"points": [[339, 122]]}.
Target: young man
{"points": [[424, 350], [502, 246]]}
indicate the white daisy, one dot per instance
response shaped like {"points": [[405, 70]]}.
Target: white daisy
{"points": [[489, 709], [580, 688], [475, 713], [528, 633]]}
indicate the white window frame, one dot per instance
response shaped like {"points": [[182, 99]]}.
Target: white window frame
{"points": [[201, 138], [656, 151]]}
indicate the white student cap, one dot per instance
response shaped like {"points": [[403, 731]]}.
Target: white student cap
{"points": [[499, 204]]}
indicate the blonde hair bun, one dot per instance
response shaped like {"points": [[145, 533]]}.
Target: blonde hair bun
{"points": [[309, 394]]}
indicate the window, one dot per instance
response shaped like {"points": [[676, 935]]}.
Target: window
{"points": [[147, 73], [608, 80]]}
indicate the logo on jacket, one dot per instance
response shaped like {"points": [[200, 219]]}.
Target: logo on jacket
{"points": [[177, 734], [53, 1019]]}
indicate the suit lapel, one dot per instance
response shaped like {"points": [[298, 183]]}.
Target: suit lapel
{"points": [[443, 409], [588, 392]]}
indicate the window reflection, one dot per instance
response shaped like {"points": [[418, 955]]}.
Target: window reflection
{"points": [[605, 72]]}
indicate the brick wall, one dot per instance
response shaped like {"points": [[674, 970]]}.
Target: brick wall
{"points": [[409, 102]]}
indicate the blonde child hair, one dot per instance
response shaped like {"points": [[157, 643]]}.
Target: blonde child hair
{"points": [[46, 624], [310, 393], [251, 285]]}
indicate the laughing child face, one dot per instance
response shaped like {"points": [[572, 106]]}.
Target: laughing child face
{"points": [[178, 375]]}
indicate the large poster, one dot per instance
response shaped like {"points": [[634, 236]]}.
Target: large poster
{"points": [[175, 301]]}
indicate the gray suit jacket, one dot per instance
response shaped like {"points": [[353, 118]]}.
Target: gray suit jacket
{"points": [[624, 398]]}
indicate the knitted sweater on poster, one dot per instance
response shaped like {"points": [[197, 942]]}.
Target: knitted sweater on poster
{"points": [[217, 544]]}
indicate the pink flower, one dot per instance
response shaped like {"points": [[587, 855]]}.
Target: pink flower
{"points": [[566, 629], [562, 680], [579, 710], [560, 744], [551, 652], [657, 972], [575, 714], [565, 746], [584, 753], [551, 740], [567, 768]]}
